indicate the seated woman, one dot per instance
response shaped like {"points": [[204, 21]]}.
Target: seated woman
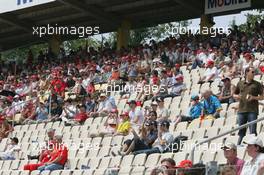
{"points": [[148, 135], [110, 124]]}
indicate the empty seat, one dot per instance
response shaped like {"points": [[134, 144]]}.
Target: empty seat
{"points": [[208, 156], [198, 134], [211, 132], [106, 141], [117, 140], [104, 151], [232, 139], [82, 162], [179, 156], [105, 161], [115, 161], [140, 170], [195, 124], [99, 171], [127, 161], [182, 126], [59, 172], [124, 170], [77, 172], [152, 160], [220, 157], [72, 163], [94, 162], [139, 160], [206, 123]]}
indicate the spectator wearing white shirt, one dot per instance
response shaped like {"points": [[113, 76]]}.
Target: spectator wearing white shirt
{"points": [[135, 114], [11, 150], [18, 104], [256, 152], [211, 73], [105, 106]]}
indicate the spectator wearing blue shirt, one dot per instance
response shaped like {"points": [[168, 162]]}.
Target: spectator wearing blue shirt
{"points": [[211, 105], [194, 112], [90, 104]]}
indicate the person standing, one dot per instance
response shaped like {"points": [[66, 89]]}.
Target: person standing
{"points": [[248, 92]]}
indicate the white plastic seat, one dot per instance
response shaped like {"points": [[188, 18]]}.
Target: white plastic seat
{"points": [[152, 160], [139, 170], [124, 170], [139, 160], [179, 156], [127, 161], [105, 161], [115, 162]]}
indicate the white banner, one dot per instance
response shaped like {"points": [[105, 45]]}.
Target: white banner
{"points": [[12, 5], [215, 6]]}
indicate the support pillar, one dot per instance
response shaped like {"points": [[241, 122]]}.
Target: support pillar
{"points": [[206, 21], [55, 43], [123, 34]]}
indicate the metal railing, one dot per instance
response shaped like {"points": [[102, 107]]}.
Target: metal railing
{"points": [[223, 134]]}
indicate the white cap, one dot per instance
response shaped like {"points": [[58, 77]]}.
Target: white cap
{"points": [[254, 141]]}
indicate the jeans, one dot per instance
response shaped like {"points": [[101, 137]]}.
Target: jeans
{"points": [[196, 63], [148, 151], [243, 118], [51, 167]]}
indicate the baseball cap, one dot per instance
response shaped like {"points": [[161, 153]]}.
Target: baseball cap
{"points": [[114, 111], [59, 136], [103, 95], [254, 141], [229, 146], [164, 123], [132, 102], [185, 164], [159, 99], [226, 78], [124, 114], [179, 77], [50, 130], [210, 62], [195, 97], [154, 103]]}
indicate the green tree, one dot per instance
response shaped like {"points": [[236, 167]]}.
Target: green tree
{"points": [[249, 26]]}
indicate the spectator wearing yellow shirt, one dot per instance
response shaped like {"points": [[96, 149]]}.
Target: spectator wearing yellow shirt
{"points": [[124, 125]]}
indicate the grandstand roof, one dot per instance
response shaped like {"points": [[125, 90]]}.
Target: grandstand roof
{"points": [[16, 26]]}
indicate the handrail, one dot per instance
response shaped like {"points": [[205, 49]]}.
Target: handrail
{"points": [[223, 134]]}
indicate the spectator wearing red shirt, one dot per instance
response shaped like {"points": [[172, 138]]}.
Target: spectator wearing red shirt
{"points": [[58, 86], [80, 117], [44, 157], [59, 156]]}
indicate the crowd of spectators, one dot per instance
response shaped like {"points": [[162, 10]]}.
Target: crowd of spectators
{"points": [[64, 88]]}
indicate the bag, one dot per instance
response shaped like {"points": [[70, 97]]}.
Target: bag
{"points": [[177, 143]]}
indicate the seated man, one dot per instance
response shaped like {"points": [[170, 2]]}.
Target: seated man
{"points": [[194, 112], [211, 105], [11, 150], [58, 157], [227, 92], [164, 139], [211, 73], [230, 152], [110, 124], [44, 157], [105, 106], [79, 117]]}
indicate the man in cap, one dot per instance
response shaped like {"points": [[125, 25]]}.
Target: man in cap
{"points": [[211, 105], [194, 112], [230, 152], [11, 150], [177, 86], [256, 152], [227, 91], [105, 106], [135, 113], [210, 73], [58, 158]]}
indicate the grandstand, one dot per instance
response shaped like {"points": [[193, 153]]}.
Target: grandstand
{"points": [[77, 96]]}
